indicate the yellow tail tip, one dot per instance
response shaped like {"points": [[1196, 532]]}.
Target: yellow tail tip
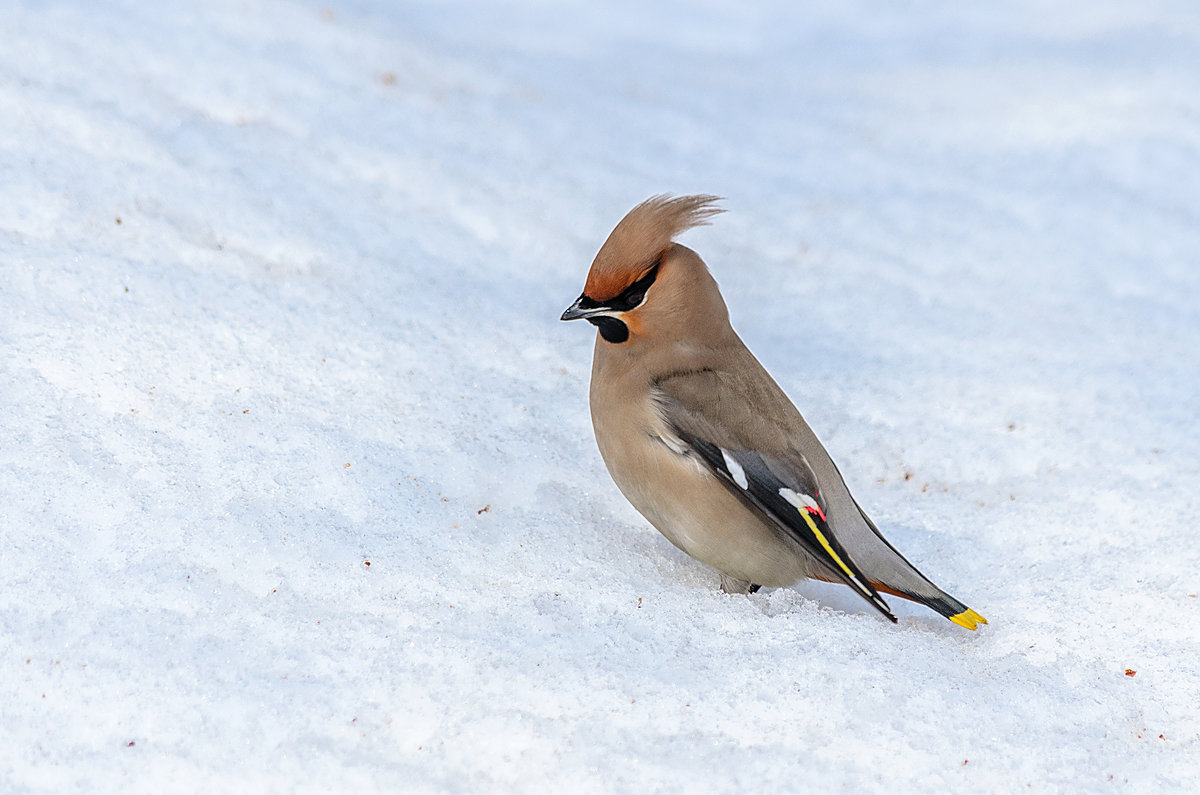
{"points": [[969, 619]]}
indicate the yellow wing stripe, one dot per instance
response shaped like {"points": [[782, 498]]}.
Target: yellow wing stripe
{"points": [[825, 543], [968, 618]]}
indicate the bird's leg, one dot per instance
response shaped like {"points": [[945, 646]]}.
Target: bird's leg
{"points": [[734, 585]]}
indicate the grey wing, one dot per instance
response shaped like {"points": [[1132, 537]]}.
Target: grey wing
{"points": [[751, 419], [779, 485]]}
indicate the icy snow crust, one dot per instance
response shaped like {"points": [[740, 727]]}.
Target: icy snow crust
{"points": [[279, 300]]}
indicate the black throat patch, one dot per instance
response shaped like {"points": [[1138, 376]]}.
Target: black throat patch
{"points": [[611, 329]]}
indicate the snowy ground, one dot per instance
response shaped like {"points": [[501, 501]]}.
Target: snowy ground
{"points": [[297, 483]]}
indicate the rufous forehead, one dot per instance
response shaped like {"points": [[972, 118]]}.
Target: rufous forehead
{"points": [[604, 284], [641, 238]]}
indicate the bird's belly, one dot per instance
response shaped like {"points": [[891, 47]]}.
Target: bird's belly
{"points": [[698, 514]]}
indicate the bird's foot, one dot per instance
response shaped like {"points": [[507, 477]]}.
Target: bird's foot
{"points": [[734, 585]]}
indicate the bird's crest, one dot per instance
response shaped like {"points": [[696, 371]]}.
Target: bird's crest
{"points": [[641, 237]]}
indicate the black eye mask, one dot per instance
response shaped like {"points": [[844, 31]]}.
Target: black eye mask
{"points": [[633, 295], [612, 329]]}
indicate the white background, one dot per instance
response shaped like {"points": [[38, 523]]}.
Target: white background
{"points": [[279, 296]]}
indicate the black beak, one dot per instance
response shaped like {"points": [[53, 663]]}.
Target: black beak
{"points": [[577, 310]]}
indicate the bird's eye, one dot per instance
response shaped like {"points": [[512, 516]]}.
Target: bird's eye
{"points": [[633, 299]]}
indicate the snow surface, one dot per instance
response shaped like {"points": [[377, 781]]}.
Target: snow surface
{"points": [[298, 488]]}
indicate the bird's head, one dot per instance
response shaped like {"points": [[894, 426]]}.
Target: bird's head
{"points": [[642, 284]]}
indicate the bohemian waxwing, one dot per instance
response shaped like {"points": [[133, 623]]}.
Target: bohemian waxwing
{"points": [[702, 440]]}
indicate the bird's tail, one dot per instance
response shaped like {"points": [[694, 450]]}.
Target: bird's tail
{"points": [[886, 569], [944, 603], [909, 583]]}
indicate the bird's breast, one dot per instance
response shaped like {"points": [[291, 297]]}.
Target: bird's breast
{"points": [[680, 496]]}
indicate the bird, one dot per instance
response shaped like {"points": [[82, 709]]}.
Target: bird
{"points": [[701, 439]]}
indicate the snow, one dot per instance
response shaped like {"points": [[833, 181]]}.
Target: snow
{"points": [[298, 490]]}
